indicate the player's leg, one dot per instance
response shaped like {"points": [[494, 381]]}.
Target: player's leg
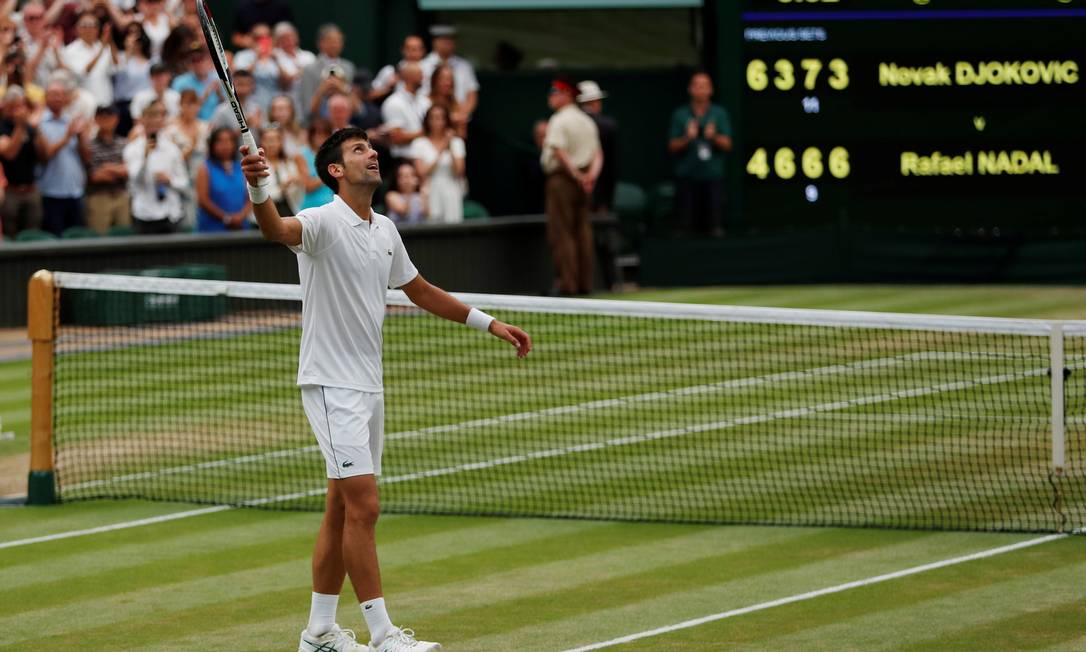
{"points": [[321, 633], [328, 569], [362, 510], [359, 543]]}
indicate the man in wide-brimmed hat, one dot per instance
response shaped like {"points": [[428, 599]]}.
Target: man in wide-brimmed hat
{"points": [[590, 97]]}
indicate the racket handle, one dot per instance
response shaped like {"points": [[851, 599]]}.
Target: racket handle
{"points": [[250, 142]]}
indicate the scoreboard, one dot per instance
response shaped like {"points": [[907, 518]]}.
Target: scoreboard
{"points": [[914, 113]]}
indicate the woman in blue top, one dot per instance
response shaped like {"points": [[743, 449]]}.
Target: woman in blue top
{"points": [[316, 193], [220, 186]]}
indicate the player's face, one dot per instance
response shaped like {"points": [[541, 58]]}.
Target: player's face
{"points": [[360, 163]]}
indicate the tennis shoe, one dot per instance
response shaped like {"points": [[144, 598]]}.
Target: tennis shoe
{"points": [[334, 640], [403, 640]]}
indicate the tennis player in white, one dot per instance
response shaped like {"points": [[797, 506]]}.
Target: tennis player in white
{"points": [[347, 257]]}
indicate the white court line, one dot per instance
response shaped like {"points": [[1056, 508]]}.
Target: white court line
{"points": [[687, 624], [256, 502], [691, 390], [580, 448], [116, 526]]}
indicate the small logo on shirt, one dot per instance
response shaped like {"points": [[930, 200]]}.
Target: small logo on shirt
{"points": [[389, 252], [348, 464]]}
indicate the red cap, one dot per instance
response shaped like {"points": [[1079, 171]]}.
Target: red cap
{"points": [[563, 86]]}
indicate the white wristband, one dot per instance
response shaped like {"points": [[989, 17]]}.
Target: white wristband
{"points": [[257, 194], [479, 320]]}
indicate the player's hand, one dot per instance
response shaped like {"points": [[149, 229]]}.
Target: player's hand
{"points": [[513, 335], [710, 130], [254, 166], [691, 129]]}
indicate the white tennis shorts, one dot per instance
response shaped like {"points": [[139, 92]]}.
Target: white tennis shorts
{"points": [[349, 426]]}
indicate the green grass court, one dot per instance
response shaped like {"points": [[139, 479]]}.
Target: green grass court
{"points": [[239, 578]]}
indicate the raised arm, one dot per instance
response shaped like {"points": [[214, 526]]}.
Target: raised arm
{"points": [[436, 301], [284, 230]]}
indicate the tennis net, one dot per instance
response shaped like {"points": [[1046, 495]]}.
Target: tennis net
{"points": [[183, 390]]}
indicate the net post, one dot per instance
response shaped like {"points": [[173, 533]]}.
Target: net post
{"points": [[41, 330], [1056, 367]]}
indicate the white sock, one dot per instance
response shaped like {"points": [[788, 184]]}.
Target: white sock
{"points": [[322, 613], [376, 619]]}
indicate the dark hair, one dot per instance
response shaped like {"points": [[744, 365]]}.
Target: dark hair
{"points": [[331, 152], [244, 72], [142, 39], [429, 112], [215, 136], [159, 69], [318, 124], [395, 185]]}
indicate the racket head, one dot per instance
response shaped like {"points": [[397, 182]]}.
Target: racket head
{"points": [[218, 59]]}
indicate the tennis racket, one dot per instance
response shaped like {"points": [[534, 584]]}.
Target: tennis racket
{"points": [[218, 57]]}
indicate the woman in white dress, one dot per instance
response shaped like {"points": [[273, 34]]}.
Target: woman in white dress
{"points": [[439, 156], [157, 24], [286, 185]]}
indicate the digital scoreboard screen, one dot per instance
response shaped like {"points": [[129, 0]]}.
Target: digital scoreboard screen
{"points": [[914, 113]]}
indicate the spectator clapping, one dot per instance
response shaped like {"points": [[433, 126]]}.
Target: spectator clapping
{"points": [[439, 159]]}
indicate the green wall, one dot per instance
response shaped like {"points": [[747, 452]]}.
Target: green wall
{"points": [[500, 143]]}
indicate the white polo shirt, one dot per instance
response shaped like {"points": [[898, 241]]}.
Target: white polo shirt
{"points": [[346, 264], [464, 80], [406, 111]]}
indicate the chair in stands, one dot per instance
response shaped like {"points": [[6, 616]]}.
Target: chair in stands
{"points": [[630, 204], [473, 210], [661, 212], [78, 233], [33, 235], [120, 230]]}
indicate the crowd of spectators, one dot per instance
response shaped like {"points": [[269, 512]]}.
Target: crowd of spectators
{"points": [[112, 117]]}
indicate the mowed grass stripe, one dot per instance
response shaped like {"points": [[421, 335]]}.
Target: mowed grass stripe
{"points": [[133, 567], [837, 556], [191, 567], [125, 611], [1038, 624], [30, 522], [14, 370], [839, 620], [490, 592], [931, 611]]}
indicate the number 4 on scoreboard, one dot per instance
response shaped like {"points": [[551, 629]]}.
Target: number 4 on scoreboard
{"points": [[784, 163]]}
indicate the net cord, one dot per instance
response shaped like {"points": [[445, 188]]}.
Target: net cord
{"points": [[743, 314]]}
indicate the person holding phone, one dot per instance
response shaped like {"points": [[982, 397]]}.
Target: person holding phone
{"points": [[263, 63], [330, 73], [157, 177]]}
